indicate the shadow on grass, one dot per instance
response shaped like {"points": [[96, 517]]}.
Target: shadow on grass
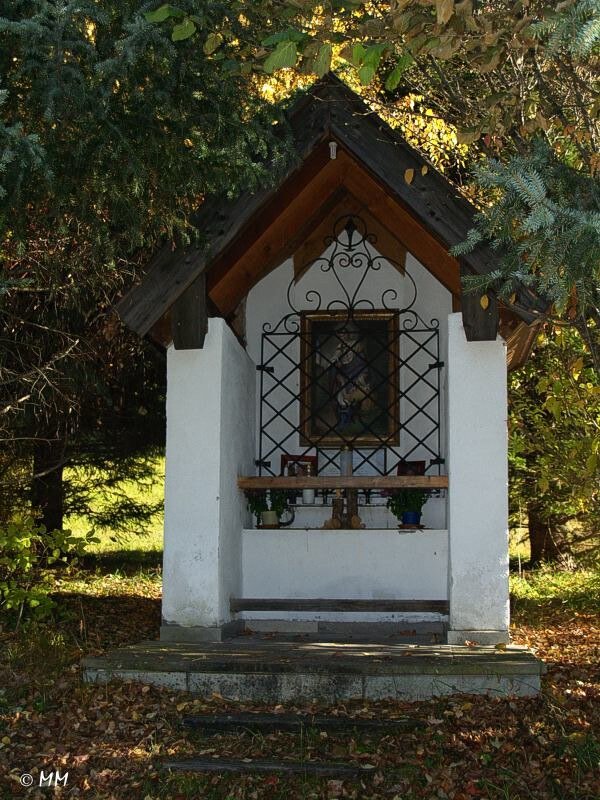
{"points": [[127, 562]]}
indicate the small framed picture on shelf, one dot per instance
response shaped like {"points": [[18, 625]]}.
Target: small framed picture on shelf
{"points": [[297, 466]]}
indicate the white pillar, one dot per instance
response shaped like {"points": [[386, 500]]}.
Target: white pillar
{"points": [[478, 493], [210, 442]]}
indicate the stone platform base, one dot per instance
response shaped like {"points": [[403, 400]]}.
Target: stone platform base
{"points": [[266, 670]]}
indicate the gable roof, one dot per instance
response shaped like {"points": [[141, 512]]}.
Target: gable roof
{"points": [[373, 158]]}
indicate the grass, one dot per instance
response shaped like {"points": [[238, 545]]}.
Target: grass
{"points": [[547, 586], [518, 544], [126, 541]]}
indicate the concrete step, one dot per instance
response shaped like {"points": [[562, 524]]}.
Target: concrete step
{"points": [[266, 670]]}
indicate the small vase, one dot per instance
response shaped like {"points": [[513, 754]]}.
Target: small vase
{"points": [[411, 517], [269, 519], [308, 497]]}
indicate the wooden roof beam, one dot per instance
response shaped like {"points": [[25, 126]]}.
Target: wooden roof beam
{"points": [[233, 280], [408, 230]]}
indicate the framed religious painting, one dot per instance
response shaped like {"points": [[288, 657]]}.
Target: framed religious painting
{"points": [[349, 387]]}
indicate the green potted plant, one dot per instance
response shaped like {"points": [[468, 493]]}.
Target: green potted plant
{"points": [[268, 507], [407, 504], [257, 503]]}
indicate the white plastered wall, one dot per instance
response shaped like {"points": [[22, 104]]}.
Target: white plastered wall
{"points": [[210, 441], [478, 494], [357, 564]]}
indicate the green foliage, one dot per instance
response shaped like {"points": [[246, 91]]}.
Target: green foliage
{"points": [[284, 55], [545, 226], [110, 135], [401, 500], [26, 550], [554, 442], [278, 501], [257, 502], [574, 28], [122, 508]]}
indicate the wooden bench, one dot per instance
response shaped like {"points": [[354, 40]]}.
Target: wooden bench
{"points": [[337, 605]]}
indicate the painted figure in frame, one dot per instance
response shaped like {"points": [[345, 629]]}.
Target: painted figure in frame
{"points": [[349, 389]]}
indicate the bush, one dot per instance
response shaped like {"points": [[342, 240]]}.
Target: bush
{"points": [[27, 551]]}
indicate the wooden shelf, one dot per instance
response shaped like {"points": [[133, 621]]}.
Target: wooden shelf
{"points": [[340, 482]]}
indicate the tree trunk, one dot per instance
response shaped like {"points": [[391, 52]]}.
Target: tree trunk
{"points": [[47, 497], [542, 543]]}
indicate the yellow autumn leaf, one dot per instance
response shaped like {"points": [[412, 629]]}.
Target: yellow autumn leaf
{"points": [[409, 175], [512, 298], [424, 169], [484, 301]]}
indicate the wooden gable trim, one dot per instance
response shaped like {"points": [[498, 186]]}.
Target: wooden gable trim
{"points": [[262, 221], [480, 320], [385, 242], [231, 282], [519, 344], [417, 240], [431, 199], [285, 228]]}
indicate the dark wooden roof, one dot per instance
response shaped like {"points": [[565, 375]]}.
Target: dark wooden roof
{"points": [[329, 111]]}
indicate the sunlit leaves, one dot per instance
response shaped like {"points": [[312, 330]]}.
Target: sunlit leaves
{"points": [[367, 60], [212, 43], [403, 64], [284, 55], [183, 30], [322, 62], [554, 425]]}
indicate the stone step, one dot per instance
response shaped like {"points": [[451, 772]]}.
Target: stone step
{"points": [[265, 670]]}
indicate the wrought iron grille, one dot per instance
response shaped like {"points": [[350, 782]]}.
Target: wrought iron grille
{"points": [[349, 371]]}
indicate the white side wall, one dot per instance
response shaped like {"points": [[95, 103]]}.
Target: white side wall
{"points": [[210, 441], [478, 494]]}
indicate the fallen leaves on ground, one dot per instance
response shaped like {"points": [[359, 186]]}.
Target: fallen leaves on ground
{"points": [[111, 739]]}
